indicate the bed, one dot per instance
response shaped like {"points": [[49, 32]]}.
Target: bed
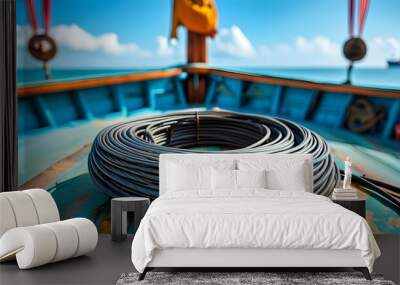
{"points": [[244, 211]]}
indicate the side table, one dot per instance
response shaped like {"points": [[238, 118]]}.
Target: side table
{"points": [[357, 205], [119, 209]]}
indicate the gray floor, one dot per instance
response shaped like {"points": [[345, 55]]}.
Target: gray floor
{"points": [[389, 262], [103, 266], [110, 260]]}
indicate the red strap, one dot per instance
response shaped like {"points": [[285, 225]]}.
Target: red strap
{"points": [[362, 15], [32, 15], [351, 17], [46, 15]]}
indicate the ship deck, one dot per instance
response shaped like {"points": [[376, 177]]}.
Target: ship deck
{"points": [[58, 120], [61, 168]]}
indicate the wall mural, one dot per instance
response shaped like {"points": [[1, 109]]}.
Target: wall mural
{"points": [[93, 98]]}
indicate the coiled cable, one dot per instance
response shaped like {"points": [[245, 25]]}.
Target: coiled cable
{"points": [[124, 157]]}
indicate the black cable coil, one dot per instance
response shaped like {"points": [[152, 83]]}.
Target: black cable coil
{"points": [[124, 157]]}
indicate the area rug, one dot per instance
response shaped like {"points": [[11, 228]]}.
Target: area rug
{"points": [[243, 278]]}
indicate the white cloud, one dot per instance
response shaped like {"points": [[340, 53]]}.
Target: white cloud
{"points": [[166, 47], [233, 42], [380, 49], [319, 44], [302, 51], [230, 47], [264, 50], [390, 46], [310, 51], [76, 38], [286, 48], [79, 48], [394, 46]]}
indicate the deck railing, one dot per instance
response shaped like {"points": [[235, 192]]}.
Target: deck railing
{"points": [[74, 84]]}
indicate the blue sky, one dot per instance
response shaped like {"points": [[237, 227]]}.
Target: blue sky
{"points": [[268, 33]]}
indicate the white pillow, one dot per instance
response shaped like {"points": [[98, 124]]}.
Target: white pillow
{"points": [[224, 179], [182, 177], [230, 180], [251, 178], [282, 174], [293, 180]]}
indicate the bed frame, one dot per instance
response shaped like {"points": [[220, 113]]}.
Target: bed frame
{"points": [[245, 259], [260, 259]]}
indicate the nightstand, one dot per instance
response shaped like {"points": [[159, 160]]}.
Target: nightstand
{"points": [[119, 209], [356, 205]]}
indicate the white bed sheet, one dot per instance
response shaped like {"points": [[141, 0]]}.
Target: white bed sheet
{"points": [[252, 218]]}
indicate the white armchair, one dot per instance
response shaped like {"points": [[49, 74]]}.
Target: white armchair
{"points": [[31, 230]]}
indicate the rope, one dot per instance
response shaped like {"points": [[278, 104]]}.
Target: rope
{"points": [[124, 157]]}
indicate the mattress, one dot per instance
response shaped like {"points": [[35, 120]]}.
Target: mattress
{"points": [[250, 219]]}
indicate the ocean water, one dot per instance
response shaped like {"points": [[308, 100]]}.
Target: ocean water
{"points": [[28, 76], [369, 77]]}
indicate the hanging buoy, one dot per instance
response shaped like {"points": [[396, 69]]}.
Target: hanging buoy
{"points": [[41, 45], [355, 49]]}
